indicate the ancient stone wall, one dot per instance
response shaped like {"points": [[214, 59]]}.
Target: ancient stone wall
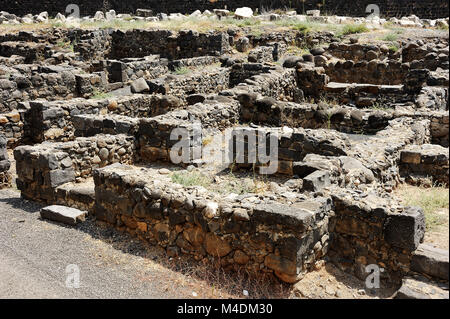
{"points": [[168, 44], [50, 82], [44, 167], [5, 164], [425, 164], [423, 9], [89, 125], [154, 133], [12, 127], [276, 238], [293, 146], [201, 81], [56, 120], [368, 232]]}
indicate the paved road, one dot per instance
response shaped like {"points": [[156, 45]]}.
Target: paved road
{"points": [[34, 255]]}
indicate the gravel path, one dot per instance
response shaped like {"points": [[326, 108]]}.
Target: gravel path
{"points": [[34, 255]]}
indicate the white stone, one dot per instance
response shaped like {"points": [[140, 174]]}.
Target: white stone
{"points": [[196, 13], [211, 209], [244, 12], [60, 17], [110, 15], [139, 85], [43, 15], [27, 20], [313, 13], [99, 16], [41, 19]]}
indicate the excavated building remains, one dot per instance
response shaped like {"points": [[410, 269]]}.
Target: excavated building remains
{"points": [[90, 115]]}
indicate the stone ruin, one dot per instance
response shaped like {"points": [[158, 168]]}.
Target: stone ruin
{"points": [[91, 129]]}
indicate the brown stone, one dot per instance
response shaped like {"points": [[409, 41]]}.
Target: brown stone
{"points": [[280, 265], [240, 257], [129, 221], [112, 106], [215, 246], [194, 235], [410, 157], [142, 226]]}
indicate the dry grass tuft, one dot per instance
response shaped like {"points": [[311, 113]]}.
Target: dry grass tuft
{"points": [[230, 284], [431, 200]]}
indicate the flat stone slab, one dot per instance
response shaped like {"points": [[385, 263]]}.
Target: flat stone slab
{"points": [[431, 261], [63, 214], [413, 288]]}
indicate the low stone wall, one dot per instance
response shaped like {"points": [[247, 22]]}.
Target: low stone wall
{"points": [[425, 164], [44, 167], [311, 80], [11, 127], [390, 72], [55, 120], [243, 71], [366, 95], [135, 43], [279, 83], [426, 56], [92, 45], [372, 231], [154, 133], [32, 52], [439, 128], [52, 120], [284, 240], [49, 82], [268, 111], [90, 125], [293, 146], [194, 82], [5, 164], [193, 62], [380, 153], [149, 67], [357, 52]]}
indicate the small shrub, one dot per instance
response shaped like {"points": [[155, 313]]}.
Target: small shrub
{"points": [[181, 70], [390, 37], [98, 95], [188, 179], [302, 27], [354, 29], [394, 47], [430, 200]]}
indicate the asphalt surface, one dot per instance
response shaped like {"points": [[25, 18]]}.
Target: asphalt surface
{"points": [[35, 254]]}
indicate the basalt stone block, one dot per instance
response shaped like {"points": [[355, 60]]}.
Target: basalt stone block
{"points": [[144, 12], [5, 165], [139, 85], [195, 98], [316, 181], [278, 214], [63, 214], [405, 230], [60, 176], [431, 261]]}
